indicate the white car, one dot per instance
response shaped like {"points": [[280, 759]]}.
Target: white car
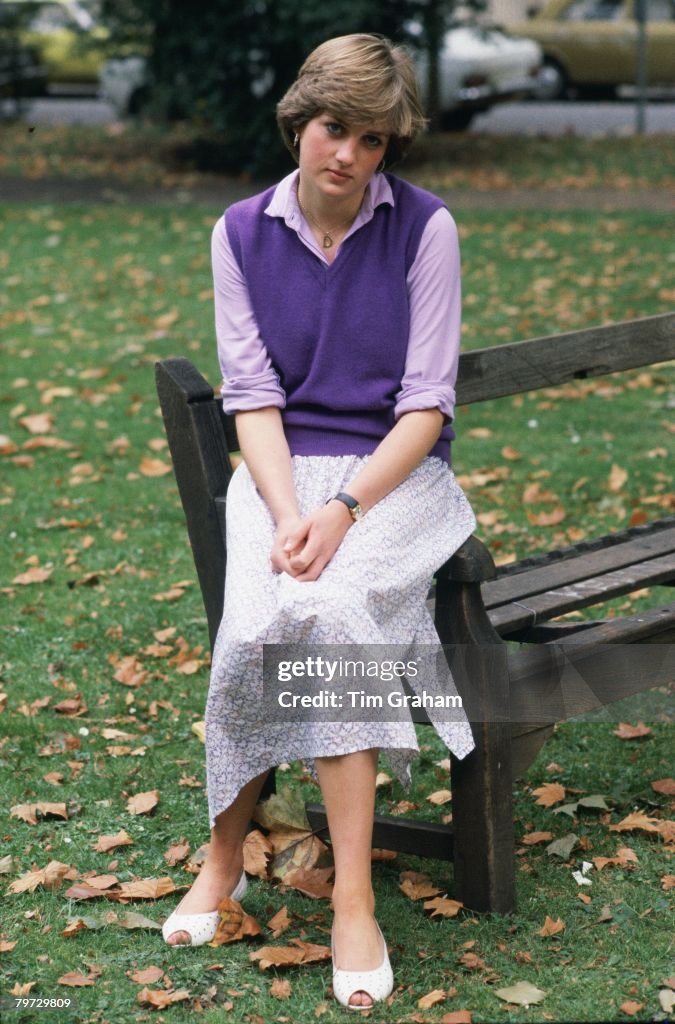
{"points": [[123, 84], [479, 67]]}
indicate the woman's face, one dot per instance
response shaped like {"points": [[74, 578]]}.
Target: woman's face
{"points": [[337, 159]]}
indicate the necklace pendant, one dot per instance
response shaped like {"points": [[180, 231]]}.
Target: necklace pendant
{"points": [[327, 241]]}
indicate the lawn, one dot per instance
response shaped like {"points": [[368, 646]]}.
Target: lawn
{"points": [[98, 708], [150, 154]]}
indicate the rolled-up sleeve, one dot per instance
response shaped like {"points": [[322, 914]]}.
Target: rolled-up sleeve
{"points": [[434, 292], [249, 379]]}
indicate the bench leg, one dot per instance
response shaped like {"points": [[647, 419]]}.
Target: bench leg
{"points": [[482, 782], [482, 818]]}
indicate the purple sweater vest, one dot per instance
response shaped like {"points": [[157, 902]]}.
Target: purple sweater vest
{"points": [[337, 334]]}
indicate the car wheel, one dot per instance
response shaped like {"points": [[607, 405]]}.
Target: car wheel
{"points": [[138, 101], [552, 82], [456, 120]]}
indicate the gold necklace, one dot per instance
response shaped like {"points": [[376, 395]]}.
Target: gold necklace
{"points": [[327, 241]]}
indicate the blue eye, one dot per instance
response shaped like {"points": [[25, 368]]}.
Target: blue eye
{"points": [[372, 141], [334, 128]]}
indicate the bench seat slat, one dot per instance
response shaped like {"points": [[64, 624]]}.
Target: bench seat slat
{"points": [[523, 585], [582, 594]]}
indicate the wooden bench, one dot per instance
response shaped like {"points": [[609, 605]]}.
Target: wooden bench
{"points": [[475, 604]]}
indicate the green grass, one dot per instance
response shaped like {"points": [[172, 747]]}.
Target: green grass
{"points": [[91, 298]]}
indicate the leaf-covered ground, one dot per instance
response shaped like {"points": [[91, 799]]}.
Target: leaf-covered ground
{"points": [[145, 153], [104, 661]]}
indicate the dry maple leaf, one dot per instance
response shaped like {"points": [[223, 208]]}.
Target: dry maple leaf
{"points": [[7, 446], [668, 882], [549, 794], [84, 891], [146, 888], [177, 852], [143, 803], [174, 593], [234, 923], [298, 952], [22, 989], [377, 854], [457, 1017], [551, 927], [313, 882], [617, 478], [532, 838], [105, 843], [160, 999], [631, 1006], [440, 797], [665, 786], [279, 923], [422, 890], [431, 999], [130, 671], [76, 980], [631, 732], [78, 924], [6, 946], [624, 857], [472, 961], [38, 423], [49, 877], [35, 443], [295, 850], [551, 518], [443, 907], [72, 707], [258, 850], [102, 881], [148, 976], [34, 575], [639, 821], [28, 812]]}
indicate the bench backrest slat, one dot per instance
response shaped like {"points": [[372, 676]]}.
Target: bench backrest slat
{"points": [[543, 362]]}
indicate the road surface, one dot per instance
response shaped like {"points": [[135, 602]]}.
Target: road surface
{"points": [[583, 119]]}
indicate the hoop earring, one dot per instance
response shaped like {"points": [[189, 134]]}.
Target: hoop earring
{"points": [[296, 141], [381, 166]]}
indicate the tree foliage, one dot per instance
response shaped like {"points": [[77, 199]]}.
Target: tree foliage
{"points": [[224, 64]]}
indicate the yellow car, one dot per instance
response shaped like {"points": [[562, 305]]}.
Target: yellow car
{"points": [[590, 46], [64, 33]]}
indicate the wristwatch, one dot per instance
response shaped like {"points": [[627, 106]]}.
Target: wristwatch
{"points": [[355, 510]]}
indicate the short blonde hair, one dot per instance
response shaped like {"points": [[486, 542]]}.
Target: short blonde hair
{"points": [[359, 79]]}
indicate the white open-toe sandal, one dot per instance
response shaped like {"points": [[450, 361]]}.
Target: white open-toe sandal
{"points": [[200, 927], [378, 984]]}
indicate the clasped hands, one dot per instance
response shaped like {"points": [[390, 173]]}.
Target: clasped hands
{"points": [[303, 547]]}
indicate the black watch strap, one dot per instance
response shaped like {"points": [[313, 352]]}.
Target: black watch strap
{"points": [[355, 510]]}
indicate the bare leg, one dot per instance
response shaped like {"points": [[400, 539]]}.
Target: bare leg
{"points": [[223, 865], [348, 788]]}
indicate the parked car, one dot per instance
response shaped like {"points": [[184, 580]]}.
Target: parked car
{"points": [[65, 34], [590, 46], [123, 84], [479, 67]]}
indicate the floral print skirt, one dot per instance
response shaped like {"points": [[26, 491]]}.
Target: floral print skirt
{"points": [[373, 591]]}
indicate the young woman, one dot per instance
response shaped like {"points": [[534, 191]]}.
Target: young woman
{"points": [[337, 316]]}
